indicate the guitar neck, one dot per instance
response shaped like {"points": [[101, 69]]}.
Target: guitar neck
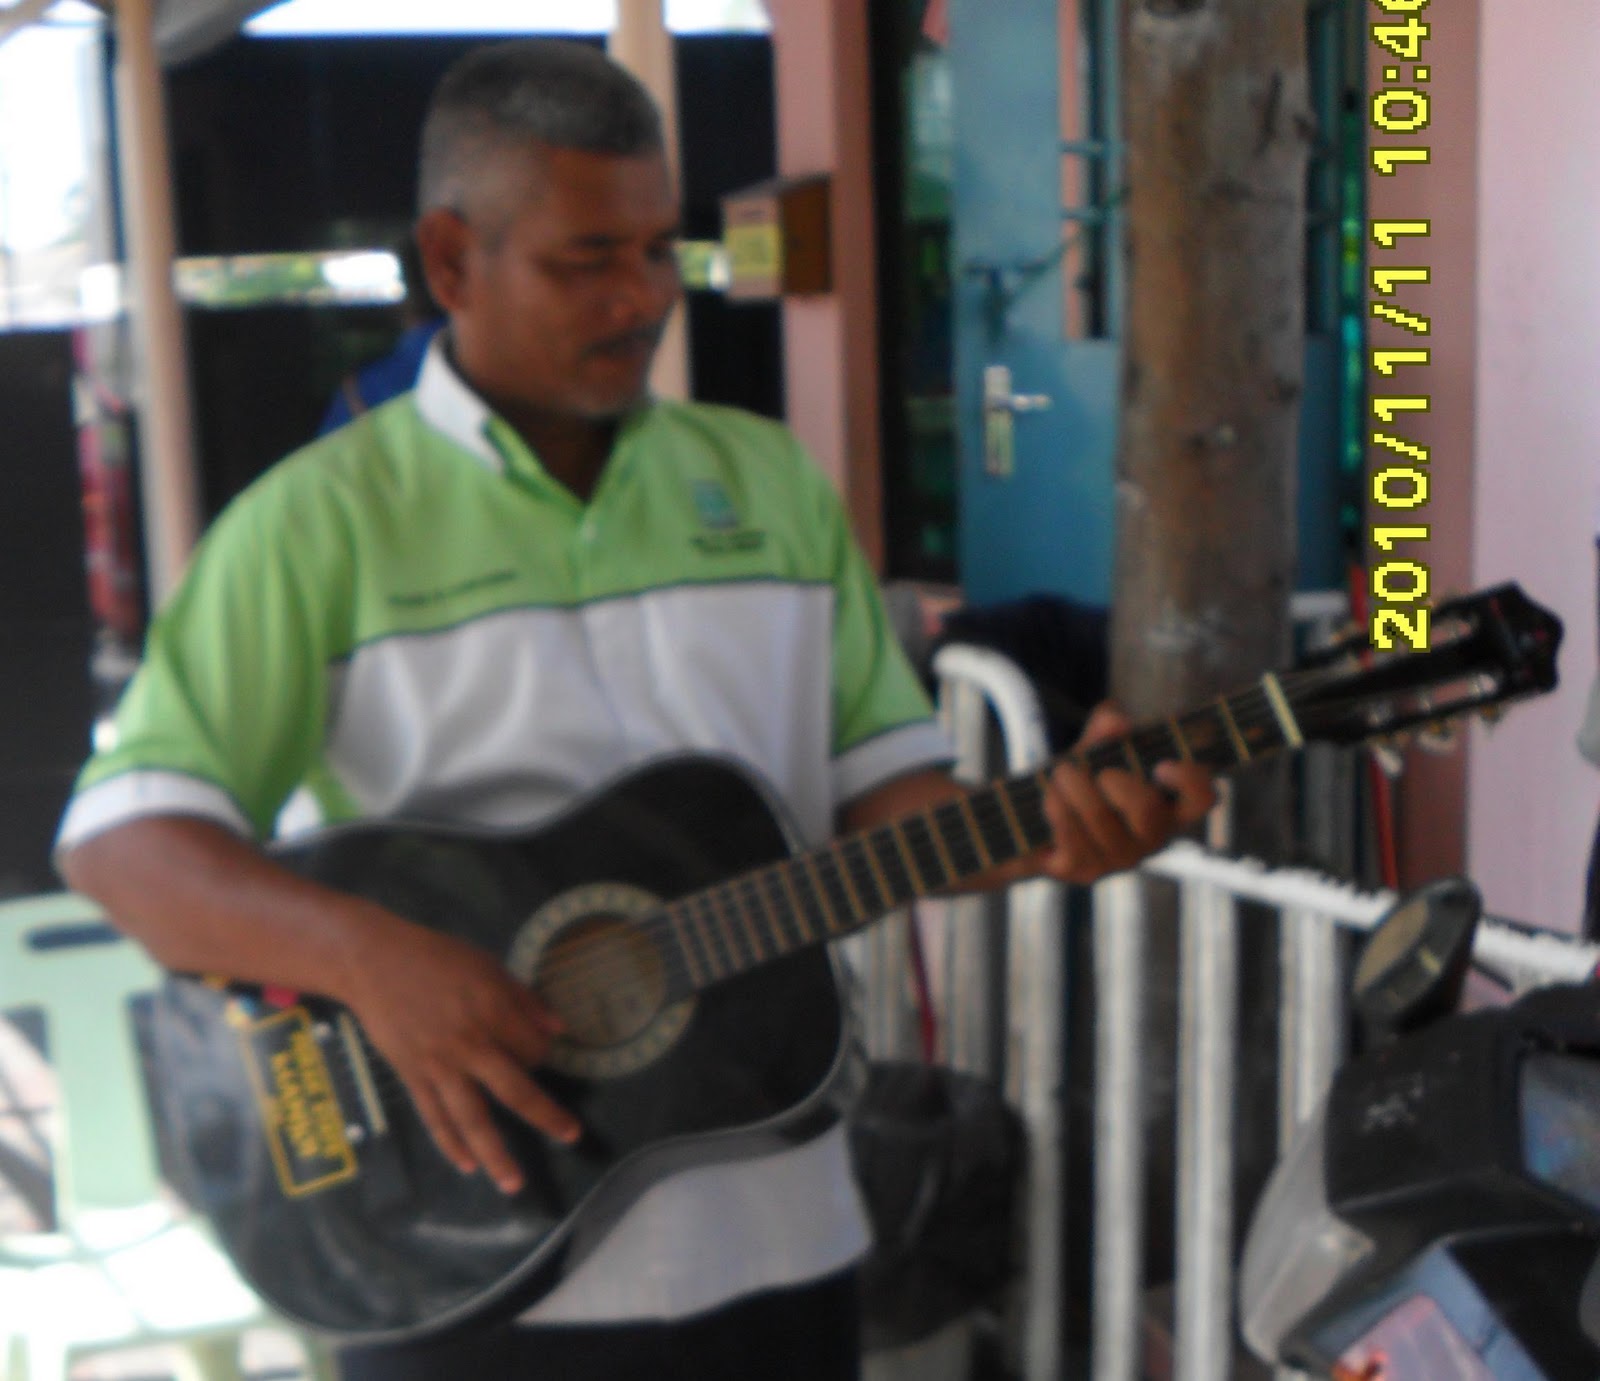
{"points": [[858, 878]]}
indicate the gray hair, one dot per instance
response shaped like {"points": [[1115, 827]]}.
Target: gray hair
{"points": [[529, 91]]}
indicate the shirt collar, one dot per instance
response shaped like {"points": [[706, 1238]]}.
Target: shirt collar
{"points": [[448, 404]]}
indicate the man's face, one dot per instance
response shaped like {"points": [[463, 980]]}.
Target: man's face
{"points": [[560, 279]]}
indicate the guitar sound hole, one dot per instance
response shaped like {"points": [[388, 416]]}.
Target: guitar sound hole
{"points": [[604, 979]]}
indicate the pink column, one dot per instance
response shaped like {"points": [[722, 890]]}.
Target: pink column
{"points": [[831, 341]]}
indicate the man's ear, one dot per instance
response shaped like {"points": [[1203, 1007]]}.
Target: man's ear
{"points": [[442, 241]]}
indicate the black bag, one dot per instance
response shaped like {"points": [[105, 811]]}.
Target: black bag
{"points": [[939, 1156]]}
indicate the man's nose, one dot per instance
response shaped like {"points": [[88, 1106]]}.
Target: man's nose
{"points": [[645, 291]]}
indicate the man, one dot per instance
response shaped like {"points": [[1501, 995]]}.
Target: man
{"points": [[478, 603]]}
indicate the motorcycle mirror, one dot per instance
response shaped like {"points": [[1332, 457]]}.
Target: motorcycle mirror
{"points": [[1414, 964]]}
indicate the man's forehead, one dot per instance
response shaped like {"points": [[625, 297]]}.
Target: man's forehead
{"points": [[575, 180]]}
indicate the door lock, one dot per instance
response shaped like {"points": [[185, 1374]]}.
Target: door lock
{"points": [[1000, 409]]}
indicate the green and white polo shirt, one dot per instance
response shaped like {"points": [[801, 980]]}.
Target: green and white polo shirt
{"points": [[414, 620], [411, 619]]}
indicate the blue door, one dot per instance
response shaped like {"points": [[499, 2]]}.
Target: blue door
{"points": [[1035, 480], [1036, 290]]}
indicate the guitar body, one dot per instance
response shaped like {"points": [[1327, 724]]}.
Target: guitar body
{"points": [[300, 1146]]}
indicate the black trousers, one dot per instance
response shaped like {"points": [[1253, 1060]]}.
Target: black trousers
{"points": [[809, 1333]]}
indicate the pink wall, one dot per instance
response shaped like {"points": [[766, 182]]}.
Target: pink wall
{"points": [[831, 341], [1532, 800]]}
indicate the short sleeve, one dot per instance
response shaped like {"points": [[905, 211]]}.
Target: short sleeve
{"points": [[226, 714], [883, 723]]}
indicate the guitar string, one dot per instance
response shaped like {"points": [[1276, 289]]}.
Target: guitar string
{"points": [[1248, 715], [752, 912], [595, 963], [389, 1081]]}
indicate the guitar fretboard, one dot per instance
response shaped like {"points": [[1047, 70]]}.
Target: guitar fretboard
{"points": [[832, 891]]}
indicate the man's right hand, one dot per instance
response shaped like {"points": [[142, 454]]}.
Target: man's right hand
{"points": [[456, 1026], [458, 1029]]}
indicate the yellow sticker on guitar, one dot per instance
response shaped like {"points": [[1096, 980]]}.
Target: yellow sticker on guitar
{"points": [[300, 1113]]}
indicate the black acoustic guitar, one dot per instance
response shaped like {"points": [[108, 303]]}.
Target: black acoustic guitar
{"points": [[668, 922]]}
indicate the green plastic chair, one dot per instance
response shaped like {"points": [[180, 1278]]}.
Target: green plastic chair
{"points": [[125, 1265]]}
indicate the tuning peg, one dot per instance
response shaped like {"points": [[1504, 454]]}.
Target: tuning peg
{"points": [[1441, 736], [1492, 714]]}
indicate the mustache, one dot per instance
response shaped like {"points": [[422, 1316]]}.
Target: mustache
{"points": [[629, 340]]}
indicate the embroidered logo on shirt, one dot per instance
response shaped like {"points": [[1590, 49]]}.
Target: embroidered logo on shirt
{"points": [[715, 508], [721, 518]]}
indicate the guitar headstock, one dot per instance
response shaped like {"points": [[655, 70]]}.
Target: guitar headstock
{"points": [[1484, 650]]}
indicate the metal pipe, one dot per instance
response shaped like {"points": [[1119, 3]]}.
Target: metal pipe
{"points": [[1119, 945], [1208, 926], [1208, 994], [1035, 1052], [169, 485], [1310, 1026], [1280, 887], [1527, 958], [971, 977], [1311, 1015], [1035, 1059]]}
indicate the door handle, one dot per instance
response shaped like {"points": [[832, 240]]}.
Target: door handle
{"points": [[1000, 409]]}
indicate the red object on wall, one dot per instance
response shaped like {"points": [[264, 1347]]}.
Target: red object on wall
{"points": [[111, 548]]}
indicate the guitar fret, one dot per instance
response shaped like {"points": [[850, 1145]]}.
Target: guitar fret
{"points": [[899, 883], [1019, 837], [1178, 739], [814, 899], [680, 929], [813, 876], [831, 894], [958, 839], [926, 820], [1132, 755], [1028, 796], [747, 919], [985, 858], [897, 830], [927, 851], [700, 930], [857, 910], [886, 893], [989, 811], [720, 931], [778, 907], [1242, 748], [802, 923]]}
